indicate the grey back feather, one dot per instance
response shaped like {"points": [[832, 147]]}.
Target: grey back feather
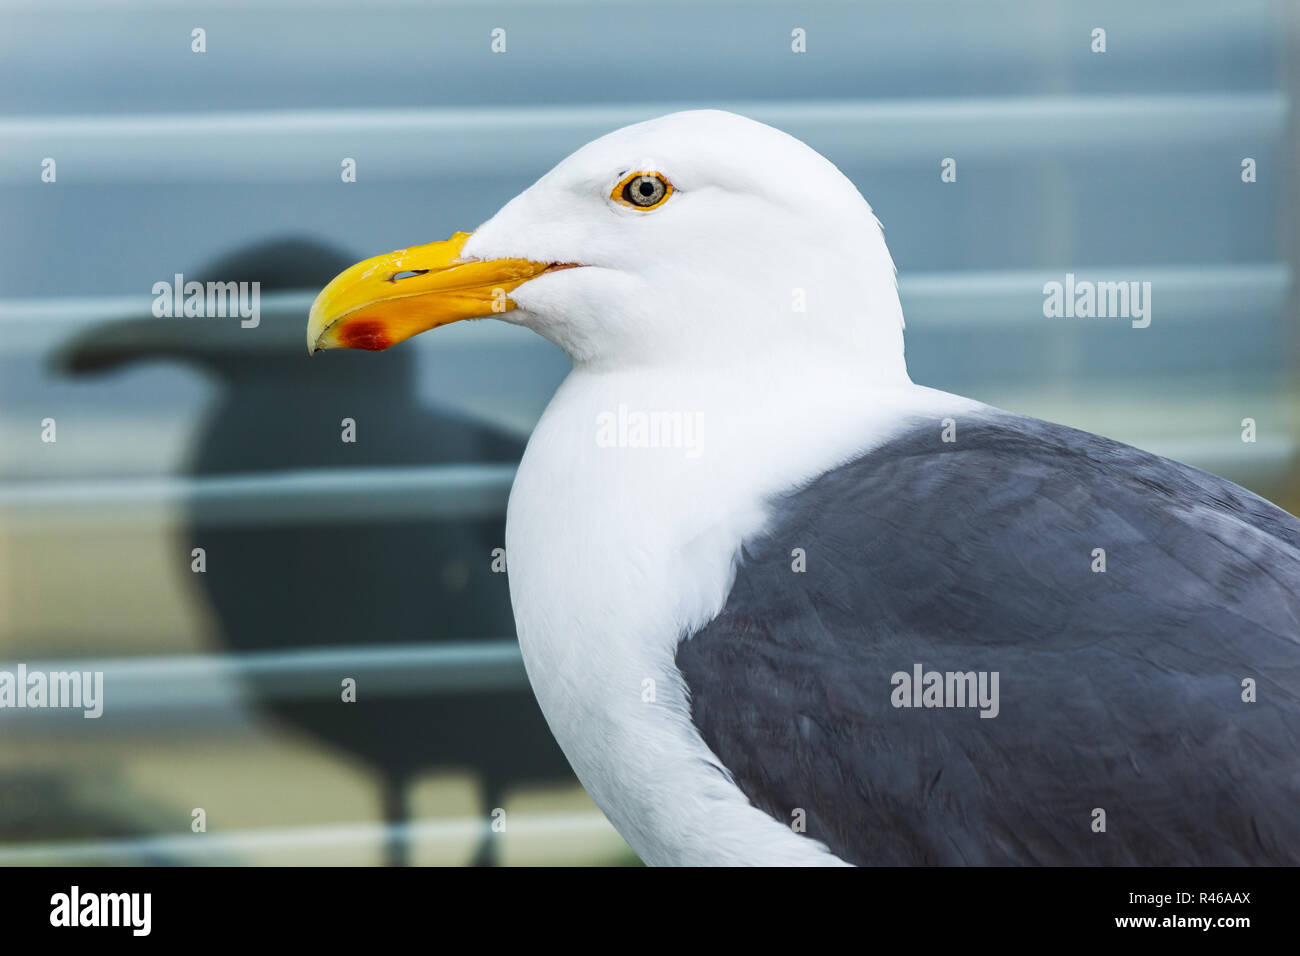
{"points": [[1120, 691]]}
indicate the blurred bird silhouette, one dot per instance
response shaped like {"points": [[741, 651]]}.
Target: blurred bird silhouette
{"points": [[389, 581]]}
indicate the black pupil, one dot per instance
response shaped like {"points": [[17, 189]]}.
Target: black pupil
{"points": [[643, 191]]}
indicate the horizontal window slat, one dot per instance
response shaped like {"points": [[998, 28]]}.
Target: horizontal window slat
{"points": [[299, 146], [70, 56], [992, 296], [144, 688], [363, 495], [225, 847], [331, 496]]}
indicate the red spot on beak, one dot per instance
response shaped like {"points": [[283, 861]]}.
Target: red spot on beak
{"points": [[368, 334]]}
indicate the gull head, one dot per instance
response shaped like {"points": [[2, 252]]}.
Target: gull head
{"points": [[700, 236]]}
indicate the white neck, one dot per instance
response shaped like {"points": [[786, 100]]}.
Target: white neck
{"points": [[615, 553]]}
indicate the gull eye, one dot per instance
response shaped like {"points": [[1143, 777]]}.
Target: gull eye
{"points": [[642, 190]]}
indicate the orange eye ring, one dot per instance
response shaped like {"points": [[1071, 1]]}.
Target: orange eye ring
{"points": [[643, 190]]}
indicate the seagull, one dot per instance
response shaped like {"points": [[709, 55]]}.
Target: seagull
{"points": [[782, 606]]}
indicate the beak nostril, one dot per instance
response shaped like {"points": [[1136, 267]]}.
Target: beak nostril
{"points": [[408, 274]]}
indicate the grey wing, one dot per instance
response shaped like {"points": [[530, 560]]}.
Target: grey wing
{"points": [[1125, 730]]}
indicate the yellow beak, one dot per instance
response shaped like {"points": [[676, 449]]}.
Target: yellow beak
{"points": [[384, 300]]}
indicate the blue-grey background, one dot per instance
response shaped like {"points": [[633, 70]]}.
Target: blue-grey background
{"points": [[1123, 165]]}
